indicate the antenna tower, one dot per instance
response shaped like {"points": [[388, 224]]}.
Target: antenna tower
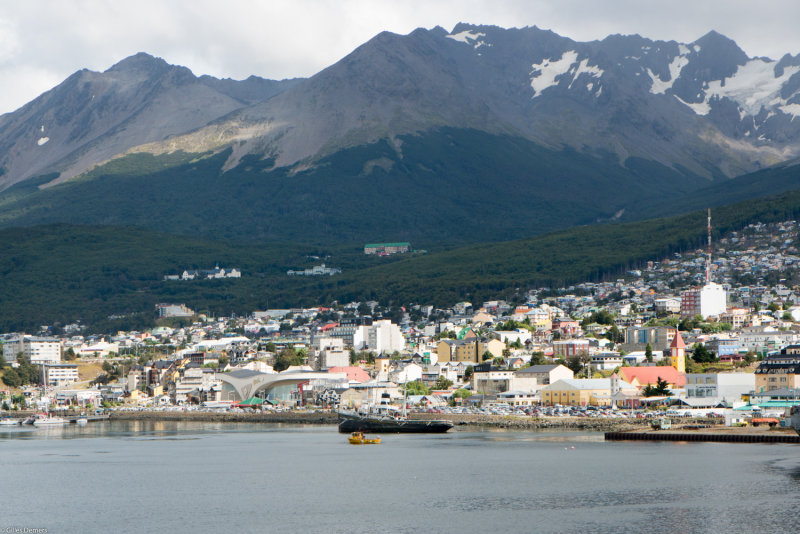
{"points": [[708, 255]]}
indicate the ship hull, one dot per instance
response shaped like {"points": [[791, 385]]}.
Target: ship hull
{"points": [[386, 425]]}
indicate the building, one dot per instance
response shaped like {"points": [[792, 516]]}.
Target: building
{"points": [[385, 249], [317, 270], [677, 353], [649, 376], [469, 350], [173, 310], [719, 387], [570, 347], [603, 361], [381, 336], [542, 375], [585, 392], [59, 374], [707, 301], [667, 305], [38, 350], [490, 380], [777, 372], [658, 337]]}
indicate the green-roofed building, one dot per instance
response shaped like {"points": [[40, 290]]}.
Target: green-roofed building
{"points": [[384, 249]]}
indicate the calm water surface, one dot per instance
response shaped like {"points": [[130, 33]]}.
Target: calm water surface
{"points": [[138, 477]]}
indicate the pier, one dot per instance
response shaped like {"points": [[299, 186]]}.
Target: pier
{"points": [[723, 437]]}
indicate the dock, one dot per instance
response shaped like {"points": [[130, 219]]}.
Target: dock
{"points": [[721, 437]]}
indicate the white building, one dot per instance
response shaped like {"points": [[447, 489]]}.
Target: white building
{"points": [[381, 337], [56, 375], [37, 349], [707, 301], [719, 387]]}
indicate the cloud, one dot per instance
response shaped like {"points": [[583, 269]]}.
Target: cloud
{"points": [[44, 41]]}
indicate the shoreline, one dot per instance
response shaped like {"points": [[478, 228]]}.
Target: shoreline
{"points": [[459, 420]]}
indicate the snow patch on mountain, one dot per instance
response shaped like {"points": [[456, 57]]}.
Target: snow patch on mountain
{"points": [[545, 74], [659, 86], [754, 86], [791, 109], [700, 108], [468, 37]]}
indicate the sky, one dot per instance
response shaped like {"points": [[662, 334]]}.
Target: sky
{"points": [[42, 42]]}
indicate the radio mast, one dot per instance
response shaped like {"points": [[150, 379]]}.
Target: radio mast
{"points": [[708, 255]]}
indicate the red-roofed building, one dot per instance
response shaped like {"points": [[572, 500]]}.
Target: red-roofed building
{"points": [[354, 374], [329, 326], [644, 376]]}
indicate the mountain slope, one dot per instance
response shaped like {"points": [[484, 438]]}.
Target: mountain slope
{"points": [[450, 186], [104, 271], [92, 117]]}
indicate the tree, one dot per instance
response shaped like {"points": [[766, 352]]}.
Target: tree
{"points": [[486, 355], [417, 387], [701, 354], [11, 378], [468, 373], [648, 352], [69, 354], [773, 307], [574, 363], [288, 357], [661, 389], [442, 383], [538, 358]]}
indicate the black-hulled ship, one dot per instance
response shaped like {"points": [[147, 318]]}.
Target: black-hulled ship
{"points": [[385, 418]]}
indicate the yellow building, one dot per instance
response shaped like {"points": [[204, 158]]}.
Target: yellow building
{"points": [[585, 392], [468, 350]]}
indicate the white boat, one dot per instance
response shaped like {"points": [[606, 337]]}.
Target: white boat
{"points": [[82, 421], [9, 422], [45, 421]]}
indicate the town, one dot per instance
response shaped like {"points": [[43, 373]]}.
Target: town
{"points": [[692, 333]]}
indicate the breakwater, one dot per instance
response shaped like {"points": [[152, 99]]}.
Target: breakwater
{"points": [[309, 417], [720, 437]]}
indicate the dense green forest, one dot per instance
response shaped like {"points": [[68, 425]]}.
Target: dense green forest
{"points": [[62, 273]]}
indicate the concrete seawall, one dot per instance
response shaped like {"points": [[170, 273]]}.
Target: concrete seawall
{"points": [[460, 420]]}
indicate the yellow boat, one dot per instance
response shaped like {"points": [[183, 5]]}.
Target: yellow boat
{"points": [[357, 438]]}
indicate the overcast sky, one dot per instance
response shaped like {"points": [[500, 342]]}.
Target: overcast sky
{"points": [[44, 41]]}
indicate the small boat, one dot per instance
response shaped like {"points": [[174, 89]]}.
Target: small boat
{"points": [[358, 438], [45, 421], [9, 421], [82, 421]]}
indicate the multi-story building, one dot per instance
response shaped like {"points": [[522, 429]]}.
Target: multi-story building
{"points": [[469, 350], [56, 375], [709, 300], [38, 350], [777, 372], [570, 347]]}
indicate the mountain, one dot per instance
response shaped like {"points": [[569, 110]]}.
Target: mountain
{"points": [[92, 117], [480, 133]]}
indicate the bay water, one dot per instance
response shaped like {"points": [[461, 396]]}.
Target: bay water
{"points": [[135, 477]]}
